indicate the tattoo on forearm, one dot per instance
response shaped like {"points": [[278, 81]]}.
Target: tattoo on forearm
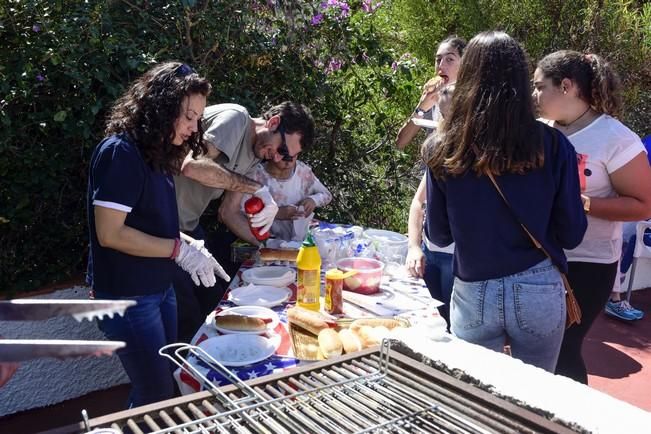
{"points": [[212, 174]]}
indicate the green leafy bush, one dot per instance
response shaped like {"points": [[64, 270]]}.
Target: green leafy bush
{"points": [[358, 65]]}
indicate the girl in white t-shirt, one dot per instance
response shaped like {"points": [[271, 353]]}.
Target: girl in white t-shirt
{"points": [[296, 190], [579, 95]]}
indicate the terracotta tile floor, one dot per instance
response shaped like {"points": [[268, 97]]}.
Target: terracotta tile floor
{"points": [[618, 356]]}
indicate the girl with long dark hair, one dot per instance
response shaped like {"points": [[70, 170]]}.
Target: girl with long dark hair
{"points": [[505, 287]]}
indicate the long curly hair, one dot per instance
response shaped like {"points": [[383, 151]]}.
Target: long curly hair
{"points": [[491, 126], [598, 83], [148, 110]]}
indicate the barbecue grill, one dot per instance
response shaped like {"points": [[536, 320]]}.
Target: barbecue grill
{"points": [[375, 390]]}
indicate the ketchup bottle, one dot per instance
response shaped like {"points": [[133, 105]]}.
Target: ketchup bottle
{"points": [[253, 206]]}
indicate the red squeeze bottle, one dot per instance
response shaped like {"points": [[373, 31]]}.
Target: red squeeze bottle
{"points": [[253, 206]]}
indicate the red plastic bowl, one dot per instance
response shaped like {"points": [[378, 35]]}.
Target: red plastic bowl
{"points": [[368, 277]]}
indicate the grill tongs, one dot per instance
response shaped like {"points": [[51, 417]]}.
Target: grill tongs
{"points": [[19, 350]]}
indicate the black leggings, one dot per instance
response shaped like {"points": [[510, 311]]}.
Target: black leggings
{"points": [[592, 284]]}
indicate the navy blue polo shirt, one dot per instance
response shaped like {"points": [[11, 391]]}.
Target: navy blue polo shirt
{"points": [[120, 179], [490, 243]]}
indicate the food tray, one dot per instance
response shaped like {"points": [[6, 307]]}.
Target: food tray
{"points": [[306, 345]]}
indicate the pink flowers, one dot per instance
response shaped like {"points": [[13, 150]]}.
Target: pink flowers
{"points": [[334, 65], [407, 61], [370, 6], [335, 9], [342, 6]]}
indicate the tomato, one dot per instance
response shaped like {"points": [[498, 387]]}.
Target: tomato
{"points": [[254, 205]]}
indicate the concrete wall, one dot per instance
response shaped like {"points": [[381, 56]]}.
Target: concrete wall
{"points": [[48, 381]]}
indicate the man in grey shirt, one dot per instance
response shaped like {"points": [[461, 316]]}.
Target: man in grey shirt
{"points": [[236, 143]]}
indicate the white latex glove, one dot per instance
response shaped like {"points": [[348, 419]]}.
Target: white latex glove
{"points": [[197, 244], [265, 218], [200, 264]]}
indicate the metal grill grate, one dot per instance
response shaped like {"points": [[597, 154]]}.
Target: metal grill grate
{"points": [[373, 391]]}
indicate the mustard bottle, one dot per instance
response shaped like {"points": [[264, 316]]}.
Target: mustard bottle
{"points": [[308, 277]]}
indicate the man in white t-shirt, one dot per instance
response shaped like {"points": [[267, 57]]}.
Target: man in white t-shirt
{"points": [[296, 190]]}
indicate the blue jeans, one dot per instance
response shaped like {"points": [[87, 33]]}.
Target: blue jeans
{"points": [[145, 328], [527, 307], [439, 279]]}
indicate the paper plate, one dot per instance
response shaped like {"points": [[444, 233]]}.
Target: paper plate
{"points": [[277, 243], [270, 276], [258, 295], [234, 350], [258, 311]]}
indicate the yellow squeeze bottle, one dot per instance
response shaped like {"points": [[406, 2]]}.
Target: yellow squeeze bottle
{"points": [[308, 277]]}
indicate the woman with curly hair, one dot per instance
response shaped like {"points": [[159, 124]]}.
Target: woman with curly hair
{"points": [[580, 95], [133, 219], [505, 286]]}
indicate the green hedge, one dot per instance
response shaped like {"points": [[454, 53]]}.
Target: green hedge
{"points": [[360, 70]]}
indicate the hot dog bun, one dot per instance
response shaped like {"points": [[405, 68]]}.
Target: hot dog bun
{"points": [[241, 323], [309, 320], [350, 341], [389, 323], [329, 343], [432, 83], [367, 337], [267, 254]]}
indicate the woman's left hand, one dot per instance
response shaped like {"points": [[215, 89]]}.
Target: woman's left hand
{"points": [[415, 261]]}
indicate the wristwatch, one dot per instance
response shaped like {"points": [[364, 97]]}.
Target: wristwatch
{"points": [[586, 203]]}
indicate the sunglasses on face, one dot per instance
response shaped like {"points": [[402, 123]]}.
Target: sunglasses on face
{"points": [[183, 70], [283, 150]]}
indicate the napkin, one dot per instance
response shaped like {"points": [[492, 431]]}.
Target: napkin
{"points": [[369, 303], [301, 225]]}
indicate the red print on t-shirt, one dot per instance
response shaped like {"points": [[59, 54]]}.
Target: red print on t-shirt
{"points": [[582, 160]]}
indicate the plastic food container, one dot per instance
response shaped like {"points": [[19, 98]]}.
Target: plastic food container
{"points": [[334, 242], [389, 246], [368, 274]]}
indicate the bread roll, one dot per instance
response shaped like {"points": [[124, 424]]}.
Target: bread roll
{"points": [[367, 337], [329, 343], [380, 332], [311, 321], [241, 323], [432, 83], [389, 323], [267, 254], [350, 341]]}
